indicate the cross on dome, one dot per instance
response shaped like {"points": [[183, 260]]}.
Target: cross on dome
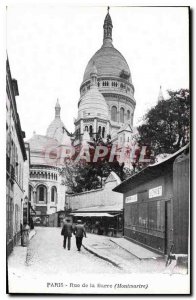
{"points": [[107, 28]]}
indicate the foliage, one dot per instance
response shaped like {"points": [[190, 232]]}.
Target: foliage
{"points": [[85, 176], [166, 126]]}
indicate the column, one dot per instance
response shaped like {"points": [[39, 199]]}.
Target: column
{"points": [[81, 127], [95, 126], [107, 129]]}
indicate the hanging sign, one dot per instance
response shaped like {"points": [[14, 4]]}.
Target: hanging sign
{"points": [[155, 192], [131, 199]]}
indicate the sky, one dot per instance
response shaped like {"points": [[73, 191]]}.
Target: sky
{"points": [[49, 46]]}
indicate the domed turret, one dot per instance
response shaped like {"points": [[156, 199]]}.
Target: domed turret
{"points": [[93, 104], [56, 127]]}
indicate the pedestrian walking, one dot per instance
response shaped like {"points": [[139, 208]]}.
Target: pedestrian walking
{"points": [[79, 232], [67, 233], [25, 230]]}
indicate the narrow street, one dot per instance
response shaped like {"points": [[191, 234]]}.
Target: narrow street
{"points": [[45, 260], [46, 255]]}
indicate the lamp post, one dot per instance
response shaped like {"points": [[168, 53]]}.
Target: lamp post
{"points": [[27, 205]]}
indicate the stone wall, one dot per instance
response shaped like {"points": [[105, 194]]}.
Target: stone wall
{"points": [[101, 197]]}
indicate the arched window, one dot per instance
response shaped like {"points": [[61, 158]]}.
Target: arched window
{"points": [[99, 131], [86, 128], [103, 132], [53, 194], [122, 112], [41, 193], [128, 114], [114, 113]]}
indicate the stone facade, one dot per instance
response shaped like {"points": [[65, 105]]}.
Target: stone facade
{"points": [[106, 107], [114, 83], [98, 200], [15, 159], [46, 193]]}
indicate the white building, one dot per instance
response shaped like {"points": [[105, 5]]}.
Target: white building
{"points": [[46, 193], [105, 108], [106, 101]]}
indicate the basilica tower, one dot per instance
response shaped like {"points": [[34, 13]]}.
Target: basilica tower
{"points": [[114, 81]]}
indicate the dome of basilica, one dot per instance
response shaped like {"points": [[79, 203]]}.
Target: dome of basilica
{"points": [[56, 128], [109, 62]]}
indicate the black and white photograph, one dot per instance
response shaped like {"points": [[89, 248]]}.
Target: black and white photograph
{"points": [[97, 148]]}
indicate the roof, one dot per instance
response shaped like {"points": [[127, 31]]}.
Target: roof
{"points": [[40, 142], [40, 148], [125, 127], [100, 208], [93, 104], [113, 177], [55, 129], [92, 215], [148, 173], [109, 62]]}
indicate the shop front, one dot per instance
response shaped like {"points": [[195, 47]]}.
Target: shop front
{"points": [[156, 205], [108, 223]]}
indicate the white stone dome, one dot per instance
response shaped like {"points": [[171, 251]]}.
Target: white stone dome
{"points": [[93, 105], [56, 128]]}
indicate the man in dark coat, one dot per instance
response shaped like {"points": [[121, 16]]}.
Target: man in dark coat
{"points": [[67, 233], [79, 232]]}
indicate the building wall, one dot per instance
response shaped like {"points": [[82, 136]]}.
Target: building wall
{"points": [[48, 177], [105, 197], [181, 204], [144, 219], [15, 157]]}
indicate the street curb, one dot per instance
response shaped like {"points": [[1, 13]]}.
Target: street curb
{"points": [[102, 257], [32, 234], [126, 250]]}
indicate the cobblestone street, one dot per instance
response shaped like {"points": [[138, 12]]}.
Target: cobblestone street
{"points": [[45, 260], [46, 255]]}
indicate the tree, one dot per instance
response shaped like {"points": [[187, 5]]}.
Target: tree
{"points": [[166, 126], [84, 176]]}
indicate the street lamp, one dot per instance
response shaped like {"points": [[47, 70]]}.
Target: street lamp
{"points": [[27, 205]]}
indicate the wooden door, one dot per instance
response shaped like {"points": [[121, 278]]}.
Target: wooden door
{"points": [[168, 226]]}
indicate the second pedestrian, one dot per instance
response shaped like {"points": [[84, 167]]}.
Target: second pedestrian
{"points": [[79, 232], [67, 233]]}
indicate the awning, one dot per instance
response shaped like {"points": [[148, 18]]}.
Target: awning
{"points": [[117, 208], [79, 214]]}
